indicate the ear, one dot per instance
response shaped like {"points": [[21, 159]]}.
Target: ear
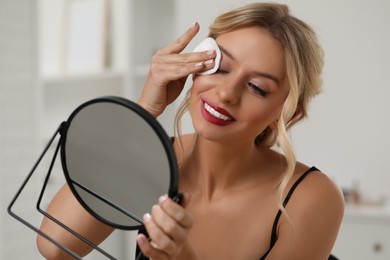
{"points": [[296, 116], [274, 125]]}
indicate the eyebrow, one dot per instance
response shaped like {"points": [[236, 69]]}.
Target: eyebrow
{"points": [[262, 74]]}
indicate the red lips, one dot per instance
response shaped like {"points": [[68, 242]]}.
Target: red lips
{"points": [[214, 119]]}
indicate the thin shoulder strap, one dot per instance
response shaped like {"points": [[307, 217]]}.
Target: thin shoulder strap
{"points": [[289, 194]]}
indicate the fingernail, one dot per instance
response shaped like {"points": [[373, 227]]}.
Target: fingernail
{"points": [[208, 62], [210, 52], [199, 64], [162, 199], [147, 217], [194, 25], [140, 240]]}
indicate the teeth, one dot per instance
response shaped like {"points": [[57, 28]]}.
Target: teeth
{"points": [[216, 113]]}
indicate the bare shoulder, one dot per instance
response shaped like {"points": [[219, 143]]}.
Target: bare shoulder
{"points": [[318, 188], [317, 194], [315, 212]]}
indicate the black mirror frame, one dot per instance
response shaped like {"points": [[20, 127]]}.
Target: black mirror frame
{"points": [[163, 137]]}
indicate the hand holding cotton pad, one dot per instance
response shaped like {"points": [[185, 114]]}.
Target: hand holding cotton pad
{"points": [[209, 44]]}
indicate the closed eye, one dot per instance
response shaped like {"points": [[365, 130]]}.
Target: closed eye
{"points": [[257, 90], [221, 71]]}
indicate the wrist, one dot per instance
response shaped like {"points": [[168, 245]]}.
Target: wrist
{"points": [[148, 108]]}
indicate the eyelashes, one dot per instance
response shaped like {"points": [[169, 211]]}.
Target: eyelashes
{"points": [[255, 89], [219, 70]]}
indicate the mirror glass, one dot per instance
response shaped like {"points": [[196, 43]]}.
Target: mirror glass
{"points": [[117, 160]]}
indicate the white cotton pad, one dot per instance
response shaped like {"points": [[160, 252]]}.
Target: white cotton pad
{"points": [[209, 44]]}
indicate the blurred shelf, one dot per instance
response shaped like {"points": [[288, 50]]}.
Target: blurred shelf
{"points": [[367, 212], [82, 77]]}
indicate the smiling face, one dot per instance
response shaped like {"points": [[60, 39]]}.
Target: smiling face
{"points": [[247, 93]]}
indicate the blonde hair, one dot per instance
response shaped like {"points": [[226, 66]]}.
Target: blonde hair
{"points": [[304, 64]]}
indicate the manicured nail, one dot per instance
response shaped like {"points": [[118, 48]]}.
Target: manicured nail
{"points": [[199, 64], [147, 217], [194, 25], [208, 62], [210, 52], [141, 240], [162, 199]]}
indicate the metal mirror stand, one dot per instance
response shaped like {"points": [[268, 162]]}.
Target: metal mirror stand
{"points": [[38, 205]]}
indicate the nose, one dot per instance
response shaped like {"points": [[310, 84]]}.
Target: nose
{"points": [[228, 90]]}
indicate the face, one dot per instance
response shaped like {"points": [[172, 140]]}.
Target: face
{"points": [[247, 93]]}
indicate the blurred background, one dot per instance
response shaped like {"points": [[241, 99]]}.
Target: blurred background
{"points": [[56, 54]]}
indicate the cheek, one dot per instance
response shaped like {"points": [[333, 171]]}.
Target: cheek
{"points": [[264, 112], [201, 83]]}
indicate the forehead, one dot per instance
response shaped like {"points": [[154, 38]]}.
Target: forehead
{"points": [[255, 49]]}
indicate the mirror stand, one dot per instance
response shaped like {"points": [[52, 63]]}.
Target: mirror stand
{"points": [[37, 230]]}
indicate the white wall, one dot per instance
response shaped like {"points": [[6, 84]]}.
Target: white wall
{"points": [[17, 129], [347, 133]]}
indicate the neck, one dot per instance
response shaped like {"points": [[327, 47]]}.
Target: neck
{"points": [[219, 167]]}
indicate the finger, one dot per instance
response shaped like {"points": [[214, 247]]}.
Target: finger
{"points": [[159, 239], [180, 43], [209, 64], [165, 73], [177, 212], [148, 250], [169, 225], [191, 57]]}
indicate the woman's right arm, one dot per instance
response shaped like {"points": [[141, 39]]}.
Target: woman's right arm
{"points": [[166, 78], [68, 210]]}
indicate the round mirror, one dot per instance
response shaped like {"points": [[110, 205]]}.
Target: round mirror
{"points": [[117, 160]]}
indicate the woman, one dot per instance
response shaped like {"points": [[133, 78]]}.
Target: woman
{"points": [[243, 200]]}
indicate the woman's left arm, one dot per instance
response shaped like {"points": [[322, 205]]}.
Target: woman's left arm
{"points": [[315, 210]]}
